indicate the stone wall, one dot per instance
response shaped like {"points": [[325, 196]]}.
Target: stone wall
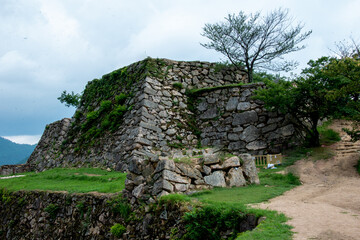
{"points": [[14, 169], [161, 116], [58, 215], [155, 120], [232, 119], [187, 173]]}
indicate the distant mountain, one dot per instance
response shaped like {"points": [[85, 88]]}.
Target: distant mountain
{"points": [[13, 153]]}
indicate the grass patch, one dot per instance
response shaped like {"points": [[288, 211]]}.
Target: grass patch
{"points": [[327, 135], [230, 204], [71, 180], [272, 185], [358, 166]]}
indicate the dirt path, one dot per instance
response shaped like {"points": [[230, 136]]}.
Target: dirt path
{"points": [[327, 205]]}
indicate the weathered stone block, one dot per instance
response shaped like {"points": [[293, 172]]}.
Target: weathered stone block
{"points": [[209, 114], [256, 145], [165, 164], [232, 103], [216, 179], [174, 177], [235, 178], [244, 117], [249, 168], [250, 133], [231, 162]]}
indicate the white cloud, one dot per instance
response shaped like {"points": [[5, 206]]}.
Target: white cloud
{"points": [[24, 139]]}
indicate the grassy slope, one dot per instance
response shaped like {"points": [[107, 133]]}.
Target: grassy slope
{"points": [[71, 180]]}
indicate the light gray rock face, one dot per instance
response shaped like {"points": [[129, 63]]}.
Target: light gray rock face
{"points": [[209, 114], [216, 179], [250, 134], [256, 145], [244, 117], [167, 164], [249, 168], [232, 104], [174, 177], [243, 106], [189, 171], [211, 159], [235, 178], [138, 191], [231, 162], [287, 130]]}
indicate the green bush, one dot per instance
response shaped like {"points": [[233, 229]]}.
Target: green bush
{"points": [[105, 106], [209, 221], [178, 85], [121, 98], [329, 136], [120, 206], [118, 230], [52, 209]]}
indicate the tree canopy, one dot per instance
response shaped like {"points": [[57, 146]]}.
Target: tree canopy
{"points": [[254, 42], [70, 99], [329, 87]]}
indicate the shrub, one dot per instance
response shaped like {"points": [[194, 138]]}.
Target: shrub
{"points": [[121, 98], [118, 230], [105, 106], [52, 209], [209, 221], [178, 85], [329, 136], [120, 206]]}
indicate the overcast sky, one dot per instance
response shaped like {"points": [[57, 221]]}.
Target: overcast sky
{"points": [[47, 46]]}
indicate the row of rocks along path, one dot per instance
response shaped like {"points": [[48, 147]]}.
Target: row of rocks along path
{"points": [[327, 204]]}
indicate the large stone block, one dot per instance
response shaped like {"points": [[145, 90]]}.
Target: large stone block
{"points": [[235, 178], [244, 117], [250, 133], [256, 145], [249, 168], [174, 177], [216, 179]]}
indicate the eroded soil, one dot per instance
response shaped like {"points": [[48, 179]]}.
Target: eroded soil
{"points": [[327, 205]]}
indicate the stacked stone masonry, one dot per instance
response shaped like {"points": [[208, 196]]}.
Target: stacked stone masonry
{"points": [[59, 215], [159, 121]]}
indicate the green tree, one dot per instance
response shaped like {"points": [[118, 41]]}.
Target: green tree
{"points": [[70, 99], [347, 71], [304, 99], [253, 42]]}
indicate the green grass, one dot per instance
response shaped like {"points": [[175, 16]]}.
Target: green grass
{"points": [[70, 180], [272, 185], [327, 135], [358, 166]]}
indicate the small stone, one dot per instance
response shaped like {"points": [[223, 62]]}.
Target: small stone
{"points": [[207, 170], [233, 137], [108, 169], [171, 131]]}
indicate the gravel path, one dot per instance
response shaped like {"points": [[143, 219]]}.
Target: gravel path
{"points": [[327, 205]]}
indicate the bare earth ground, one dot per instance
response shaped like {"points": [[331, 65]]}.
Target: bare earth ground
{"points": [[327, 205]]}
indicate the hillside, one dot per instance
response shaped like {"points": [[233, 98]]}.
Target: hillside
{"points": [[13, 153]]}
